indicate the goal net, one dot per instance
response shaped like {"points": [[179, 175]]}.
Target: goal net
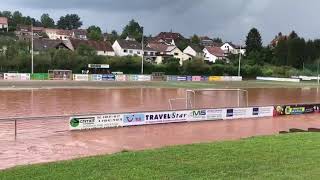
{"points": [[210, 98]]}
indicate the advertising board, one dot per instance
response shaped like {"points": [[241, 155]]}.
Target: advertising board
{"points": [[278, 79], [214, 78], [16, 76], [121, 78], [81, 77], [96, 122], [172, 78], [143, 118], [97, 77], [182, 78], [108, 77], [133, 77], [240, 113], [1, 76], [189, 78], [216, 114], [166, 117], [143, 78], [204, 78], [133, 119], [196, 78], [197, 115], [296, 109]]}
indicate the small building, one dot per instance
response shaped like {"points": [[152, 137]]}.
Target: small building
{"points": [[4, 26], [212, 54], [168, 51], [103, 48], [194, 51], [80, 34], [230, 48], [41, 45]]}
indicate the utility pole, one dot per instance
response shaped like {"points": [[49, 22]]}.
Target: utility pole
{"points": [[31, 49], [239, 70], [142, 60]]}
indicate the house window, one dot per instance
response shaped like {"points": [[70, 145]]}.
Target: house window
{"points": [[130, 51], [138, 52], [125, 51], [176, 54], [151, 53]]}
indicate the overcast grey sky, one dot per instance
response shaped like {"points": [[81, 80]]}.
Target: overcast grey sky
{"points": [[228, 19]]}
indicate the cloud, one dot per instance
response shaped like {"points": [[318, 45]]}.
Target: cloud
{"points": [[229, 19]]}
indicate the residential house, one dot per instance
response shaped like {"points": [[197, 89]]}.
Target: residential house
{"points": [[168, 51], [230, 48], [80, 34], [4, 26], [194, 51], [206, 41], [212, 54], [25, 32], [168, 38], [133, 48], [103, 48], [40, 45]]}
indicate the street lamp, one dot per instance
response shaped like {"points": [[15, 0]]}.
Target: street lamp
{"points": [[142, 60]]}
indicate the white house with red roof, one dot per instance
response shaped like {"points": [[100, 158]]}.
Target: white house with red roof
{"points": [[4, 24], [212, 54]]}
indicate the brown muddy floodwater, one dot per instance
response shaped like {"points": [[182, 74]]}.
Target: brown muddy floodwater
{"points": [[48, 140]]}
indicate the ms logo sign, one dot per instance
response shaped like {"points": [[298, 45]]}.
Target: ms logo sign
{"points": [[199, 115]]}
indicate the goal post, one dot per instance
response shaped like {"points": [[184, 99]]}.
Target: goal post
{"points": [[196, 98]]}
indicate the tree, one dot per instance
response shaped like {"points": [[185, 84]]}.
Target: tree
{"points": [[254, 41], [281, 53], [293, 35], [47, 21], [114, 36], [69, 22], [195, 39], [217, 40], [133, 29], [95, 33], [84, 50], [296, 52]]}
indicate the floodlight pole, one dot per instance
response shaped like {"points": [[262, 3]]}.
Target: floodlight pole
{"points": [[31, 49], [142, 60], [239, 70]]}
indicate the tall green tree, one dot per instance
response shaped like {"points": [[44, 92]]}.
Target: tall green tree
{"points": [[47, 21], [95, 33], [281, 53], [254, 41], [195, 39], [217, 40], [296, 52], [69, 22], [133, 29]]}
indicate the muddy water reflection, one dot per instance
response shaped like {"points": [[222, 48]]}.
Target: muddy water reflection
{"points": [[49, 140], [72, 101]]}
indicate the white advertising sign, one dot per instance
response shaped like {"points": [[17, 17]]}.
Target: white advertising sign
{"points": [[144, 78], [166, 117], [96, 122], [81, 77]]}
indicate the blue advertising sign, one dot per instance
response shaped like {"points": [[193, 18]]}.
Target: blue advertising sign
{"points": [[108, 77], [189, 78], [133, 119]]}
